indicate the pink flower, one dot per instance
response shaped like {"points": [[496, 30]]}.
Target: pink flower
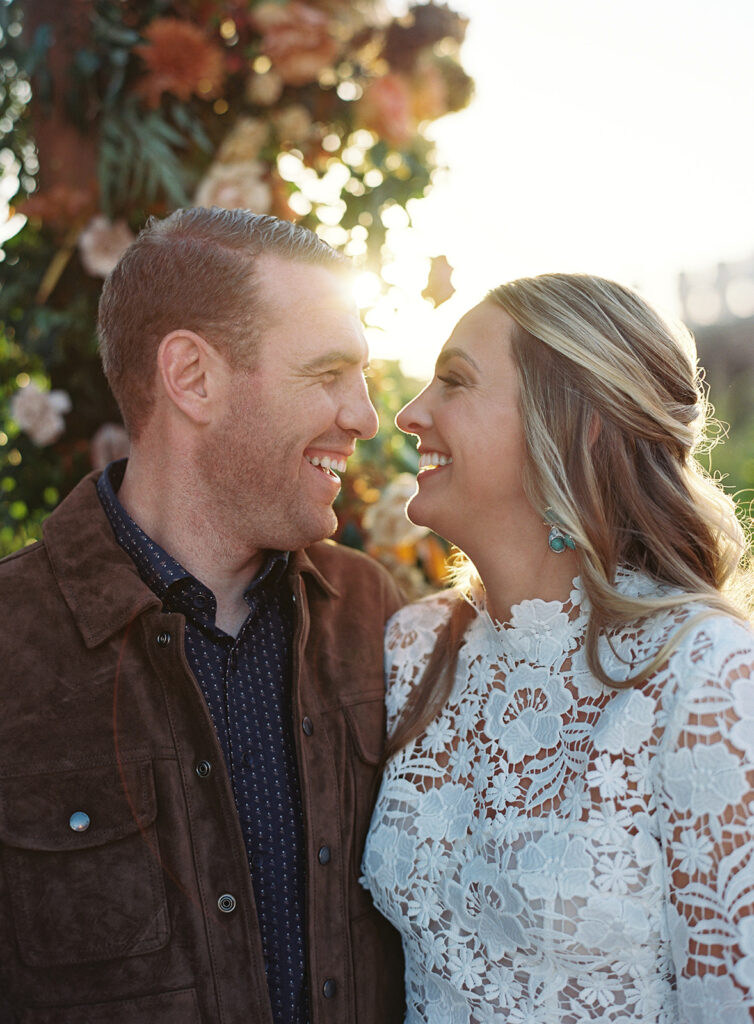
{"points": [[102, 243], [233, 186], [40, 413], [297, 39], [385, 107]]}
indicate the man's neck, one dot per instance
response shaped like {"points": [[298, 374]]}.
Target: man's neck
{"points": [[175, 514]]}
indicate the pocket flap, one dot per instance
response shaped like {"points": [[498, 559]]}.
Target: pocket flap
{"points": [[366, 721], [115, 800]]}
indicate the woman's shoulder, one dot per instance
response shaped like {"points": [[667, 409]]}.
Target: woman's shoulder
{"points": [[413, 631], [712, 643]]}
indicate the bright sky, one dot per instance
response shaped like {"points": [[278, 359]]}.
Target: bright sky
{"points": [[609, 136]]}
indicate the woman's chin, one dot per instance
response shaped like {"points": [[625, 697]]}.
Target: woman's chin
{"points": [[422, 513]]}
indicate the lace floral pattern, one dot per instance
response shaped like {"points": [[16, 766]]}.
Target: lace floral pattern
{"points": [[555, 851]]}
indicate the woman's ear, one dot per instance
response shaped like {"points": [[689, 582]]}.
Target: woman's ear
{"points": [[186, 365]]}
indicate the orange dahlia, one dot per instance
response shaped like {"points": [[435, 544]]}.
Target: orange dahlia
{"points": [[180, 60]]}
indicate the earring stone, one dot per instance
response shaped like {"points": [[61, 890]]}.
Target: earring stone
{"points": [[558, 540]]}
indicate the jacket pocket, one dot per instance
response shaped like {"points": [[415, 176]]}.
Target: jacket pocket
{"points": [[82, 862], [366, 725], [365, 721], [165, 1008]]}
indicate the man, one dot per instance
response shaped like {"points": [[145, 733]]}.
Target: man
{"points": [[191, 697]]}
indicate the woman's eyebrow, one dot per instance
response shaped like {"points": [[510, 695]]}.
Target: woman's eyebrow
{"points": [[450, 353]]}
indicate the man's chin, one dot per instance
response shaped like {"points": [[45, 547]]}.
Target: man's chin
{"points": [[320, 525]]}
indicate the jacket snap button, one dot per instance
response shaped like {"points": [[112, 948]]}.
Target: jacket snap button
{"points": [[163, 639], [227, 903], [329, 988], [203, 769], [79, 821], [324, 855], [307, 725]]}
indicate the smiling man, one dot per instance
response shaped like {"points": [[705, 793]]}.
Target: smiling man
{"points": [[192, 690]]}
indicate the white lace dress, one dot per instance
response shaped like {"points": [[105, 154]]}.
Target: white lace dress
{"points": [[555, 851]]}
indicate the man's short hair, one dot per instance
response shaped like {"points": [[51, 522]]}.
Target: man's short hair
{"points": [[194, 270]]}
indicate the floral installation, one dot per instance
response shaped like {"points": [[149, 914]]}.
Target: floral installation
{"points": [[313, 110]]}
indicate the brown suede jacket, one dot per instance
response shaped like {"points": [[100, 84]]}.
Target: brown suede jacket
{"points": [[143, 910]]}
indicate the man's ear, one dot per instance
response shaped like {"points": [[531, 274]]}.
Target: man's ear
{"points": [[188, 367]]}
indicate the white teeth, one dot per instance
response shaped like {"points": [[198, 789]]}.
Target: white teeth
{"points": [[434, 459], [326, 462]]}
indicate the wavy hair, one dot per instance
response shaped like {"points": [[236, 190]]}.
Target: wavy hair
{"points": [[613, 410]]}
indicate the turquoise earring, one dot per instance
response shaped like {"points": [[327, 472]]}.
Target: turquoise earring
{"points": [[558, 540]]}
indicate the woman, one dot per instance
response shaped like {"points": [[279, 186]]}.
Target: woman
{"points": [[565, 830]]}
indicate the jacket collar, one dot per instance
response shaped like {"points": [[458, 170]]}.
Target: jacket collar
{"points": [[302, 563], [98, 580]]}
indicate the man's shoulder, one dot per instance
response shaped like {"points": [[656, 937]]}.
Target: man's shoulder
{"points": [[353, 574], [331, 554], [28, 561]]}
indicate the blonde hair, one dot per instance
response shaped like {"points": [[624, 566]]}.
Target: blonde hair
{"points": [[613, 411]]}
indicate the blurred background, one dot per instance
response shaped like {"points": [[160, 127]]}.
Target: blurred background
{"points": [[444, 148]]}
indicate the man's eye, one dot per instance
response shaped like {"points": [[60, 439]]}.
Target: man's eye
{"points": [[450, 381]]}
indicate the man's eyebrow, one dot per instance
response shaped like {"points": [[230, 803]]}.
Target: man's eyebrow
{"points": [[455, 353], [337, 357]]}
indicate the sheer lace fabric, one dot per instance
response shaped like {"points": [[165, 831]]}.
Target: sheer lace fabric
{"points": [[555, 851]]}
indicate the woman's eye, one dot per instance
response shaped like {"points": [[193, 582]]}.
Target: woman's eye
{"points": [[450, 381]]}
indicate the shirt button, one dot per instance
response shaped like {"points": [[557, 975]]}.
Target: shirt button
{"points": [[199, 601], [324, 855], [256, 860], [203, 769], [307, 725], [227, 903], [163, 638], [293, 598], [329, 988], [79, 821], [248, 759]]}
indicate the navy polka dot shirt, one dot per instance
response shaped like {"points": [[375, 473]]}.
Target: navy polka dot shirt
{"points": [[246, 682]]}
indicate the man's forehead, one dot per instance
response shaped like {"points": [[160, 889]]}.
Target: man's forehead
{"points": [[283, 284]]}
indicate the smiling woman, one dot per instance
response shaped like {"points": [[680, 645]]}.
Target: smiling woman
{"points": [[569, 721]]}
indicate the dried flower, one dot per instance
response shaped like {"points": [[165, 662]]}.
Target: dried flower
{"points": [[429, 91], [422, 27], [40, 413], [102, 243], [235, 186], [297, 39], [386, 522], [293, 124], [264, 89], [108, 444], [60, 206], [244, 141], [385, 107], [179, 60], [439, 284]]}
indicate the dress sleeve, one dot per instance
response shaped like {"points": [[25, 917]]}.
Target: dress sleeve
{"points": [[705, 794]]}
